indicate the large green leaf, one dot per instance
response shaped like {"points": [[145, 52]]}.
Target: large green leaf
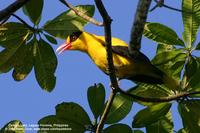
{"points": [[33, 9], [161, 34], [45, 63], [12, 33], [189, 111], [191, 67], [24, 62], [164, 48], [150, 115], [191, 20], [54, 124], [163, 125], [68, 22], [166, 56], [50, 39], [193, 70], [14, 126], [118, 128], [96, 99], [148, 91], [119, 109], [10, 56], [74, 113]]}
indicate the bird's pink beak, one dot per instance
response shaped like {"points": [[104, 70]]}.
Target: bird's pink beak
{"points": [[63, 47]]}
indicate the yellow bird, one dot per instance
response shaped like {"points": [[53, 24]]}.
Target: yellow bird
{"points": [[126, 66]]}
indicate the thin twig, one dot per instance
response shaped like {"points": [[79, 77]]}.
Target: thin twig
{"points": [[160, 99], [12, 8], [138, 26], [168, 7], [81, 14], [107, 29], [26, 24]]}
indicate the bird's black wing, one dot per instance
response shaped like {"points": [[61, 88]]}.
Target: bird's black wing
{"points": [[143, 60], [123, 51]]}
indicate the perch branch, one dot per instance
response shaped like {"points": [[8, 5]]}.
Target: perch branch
{"points": [[82, 15], [107, 29], [12, 8], [159, 99]]}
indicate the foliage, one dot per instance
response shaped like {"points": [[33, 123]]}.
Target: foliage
{"points": [[25, 48], [14, 126]]}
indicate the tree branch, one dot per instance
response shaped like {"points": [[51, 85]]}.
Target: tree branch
{"points": [[138, 26], [12, 8], [160, 3], [107, 29], [82, 15], [160, 99]]}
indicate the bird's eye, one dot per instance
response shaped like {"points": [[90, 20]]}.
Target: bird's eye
{"points": [[73, 38]]}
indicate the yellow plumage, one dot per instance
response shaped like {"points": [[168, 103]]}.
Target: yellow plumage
{"points": [[136, 69]]}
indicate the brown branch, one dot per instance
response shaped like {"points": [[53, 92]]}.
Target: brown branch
{"points": [[138, 26], [160, 3], [12, 8], [107, 29], [160, 99], [82, 15]]}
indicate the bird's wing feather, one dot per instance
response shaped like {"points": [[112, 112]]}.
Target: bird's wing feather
{"points": [[123, 51]]}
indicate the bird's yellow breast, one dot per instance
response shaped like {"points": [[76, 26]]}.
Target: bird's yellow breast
{"points": [[97, 53]]}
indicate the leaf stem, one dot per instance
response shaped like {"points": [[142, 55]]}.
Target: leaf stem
{"points": [[80, 14], [26, 24]]}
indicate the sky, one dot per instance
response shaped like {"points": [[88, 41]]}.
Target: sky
{"points": [[27, 102]]}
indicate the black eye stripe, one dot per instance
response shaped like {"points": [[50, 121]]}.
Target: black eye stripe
{"points": [[75, 35]]}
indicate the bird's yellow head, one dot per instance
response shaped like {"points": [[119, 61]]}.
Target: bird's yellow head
{"points": [[75, 41]]}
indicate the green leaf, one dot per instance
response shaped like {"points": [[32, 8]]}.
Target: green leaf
{"points": [[12, 33], [68, 22], [162, 34], [73, 112], [14, 126], [191, 20], [163, 125], [164, 48], [9, 56], [118, 128], [119, 109], [137, 131], [54, 124], [33, 9], [198, 46], [189, 111], [194, 71], [177, 67], [146, 90], [50, 39], [150, 115], [182, 131], [167, 56], [96, 99], [191, 67], [45, 63], [24, 62]]}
